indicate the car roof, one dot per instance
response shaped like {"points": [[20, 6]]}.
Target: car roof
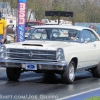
{"points": [[63, 26]]}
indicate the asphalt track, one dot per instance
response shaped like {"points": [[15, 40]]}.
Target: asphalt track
{"points": [[83, 95], [37, 86]]}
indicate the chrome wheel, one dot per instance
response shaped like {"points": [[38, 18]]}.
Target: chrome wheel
{"points": [[68, 75], [71, 72]]}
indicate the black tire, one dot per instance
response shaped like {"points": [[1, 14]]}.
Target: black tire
{"points": [[49, 77], [49, 74], [96, 71], [66, 75], [13, 74]]}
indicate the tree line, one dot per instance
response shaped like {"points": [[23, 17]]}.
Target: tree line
{"points": [[84, 10]]}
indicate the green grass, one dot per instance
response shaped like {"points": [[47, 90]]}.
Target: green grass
{"points": [[94, 98]]}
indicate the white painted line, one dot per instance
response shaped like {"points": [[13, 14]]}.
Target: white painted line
{"points": [[78, 94]]}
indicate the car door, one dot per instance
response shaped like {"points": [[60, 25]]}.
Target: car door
{"points": [[89, 48], [96, 43]]}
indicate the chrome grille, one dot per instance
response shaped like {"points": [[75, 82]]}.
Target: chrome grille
{"points": [[24, 54]]}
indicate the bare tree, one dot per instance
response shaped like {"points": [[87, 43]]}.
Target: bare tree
{"points": [[84, 10]]}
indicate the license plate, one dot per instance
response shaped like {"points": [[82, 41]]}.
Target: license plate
{"points": [[31, 66]]}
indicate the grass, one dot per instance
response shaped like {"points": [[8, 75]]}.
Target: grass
{"points": [[94, 98]]}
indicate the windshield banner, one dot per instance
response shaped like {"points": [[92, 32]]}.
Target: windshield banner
{"points": [[21, 20]]}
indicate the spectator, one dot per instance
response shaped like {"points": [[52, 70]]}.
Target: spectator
{"points": [[93, 27], [2, 30], [15, 34]]}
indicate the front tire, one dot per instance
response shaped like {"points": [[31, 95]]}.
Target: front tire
{"points": [[68, 75], [13, 74]]}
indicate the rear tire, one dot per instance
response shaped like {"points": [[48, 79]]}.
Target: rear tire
{"points": [[96, 71], [13, 74], [68, 75]]}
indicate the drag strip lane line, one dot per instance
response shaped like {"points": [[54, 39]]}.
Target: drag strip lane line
{"points": [[78, 94]]}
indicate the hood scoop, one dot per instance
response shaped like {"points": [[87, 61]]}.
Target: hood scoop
{"points": [[33, 45]]}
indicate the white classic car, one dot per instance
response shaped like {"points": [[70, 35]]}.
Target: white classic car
{"points": [[53, 49]]}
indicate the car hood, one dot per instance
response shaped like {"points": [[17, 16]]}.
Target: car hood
{"points": [[56, 44]]}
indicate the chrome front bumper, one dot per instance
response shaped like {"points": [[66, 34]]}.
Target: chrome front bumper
{"points": [[41, 65]]}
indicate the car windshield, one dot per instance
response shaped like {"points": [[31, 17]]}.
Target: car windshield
{"points": [[54, 34], [30, 30]]}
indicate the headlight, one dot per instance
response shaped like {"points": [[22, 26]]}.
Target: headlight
{"points": [[2, 52], [60, 54], [2, 48]]}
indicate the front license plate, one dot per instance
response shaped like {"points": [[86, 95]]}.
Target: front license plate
{"points": [[31, 66]]}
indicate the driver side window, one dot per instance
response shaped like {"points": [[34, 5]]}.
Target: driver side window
{"points": [[86, 36]]}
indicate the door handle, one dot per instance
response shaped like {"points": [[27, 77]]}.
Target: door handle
{"points": [[94, 45]]}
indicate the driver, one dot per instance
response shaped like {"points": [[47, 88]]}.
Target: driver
{"points": [[72, 36]]}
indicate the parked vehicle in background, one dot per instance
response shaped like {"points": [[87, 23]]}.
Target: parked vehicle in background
{"points": [[32, 23], [51, 49], [55, 22], [11, 20], [10, 34]]}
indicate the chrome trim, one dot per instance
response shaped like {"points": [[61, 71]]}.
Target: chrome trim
{"points": [[28, 53], [32, 59], [31, 54], [42, 65], [37, 62]]}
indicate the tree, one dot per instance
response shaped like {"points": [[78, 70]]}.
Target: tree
{"points": [[84, 10]]}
